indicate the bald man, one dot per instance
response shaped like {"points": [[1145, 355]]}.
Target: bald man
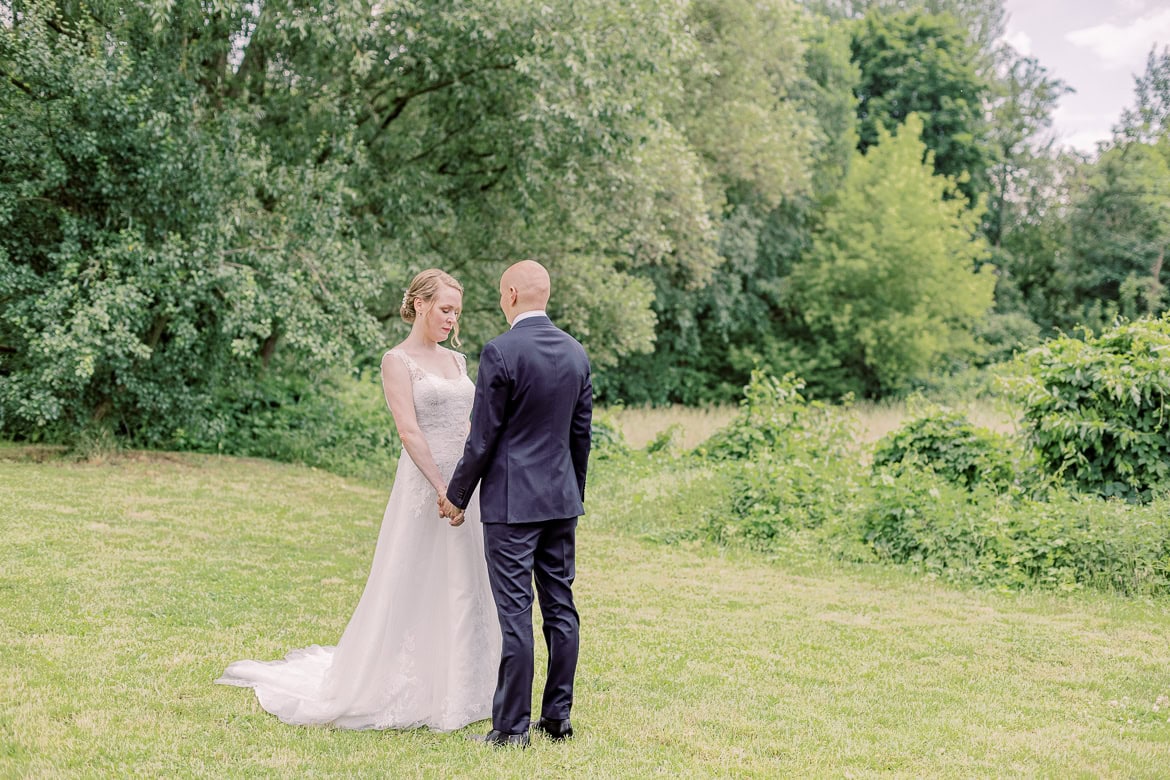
{"points": [[528, 450]]}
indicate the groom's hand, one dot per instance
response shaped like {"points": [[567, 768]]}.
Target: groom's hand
{"points": [[449, 510]]}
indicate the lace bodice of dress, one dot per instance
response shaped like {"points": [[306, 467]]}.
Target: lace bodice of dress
{"points": [[442, 407]]}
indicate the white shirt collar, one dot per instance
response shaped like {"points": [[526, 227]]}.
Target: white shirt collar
{"points": [[526, 314]]}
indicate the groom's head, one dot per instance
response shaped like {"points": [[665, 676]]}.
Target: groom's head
{"points": [[525, 286]]}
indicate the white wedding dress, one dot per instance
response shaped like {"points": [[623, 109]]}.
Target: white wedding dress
{"points": [[423, 645]]}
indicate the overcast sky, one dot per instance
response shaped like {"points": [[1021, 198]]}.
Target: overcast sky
{"points": [[1095, 46]]}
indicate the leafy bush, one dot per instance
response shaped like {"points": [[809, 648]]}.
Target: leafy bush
{"points": [[948, 443], [772, 497], [902, 518], [607, 436], [153, 247], [789, 464], [665, 440], [337, 423], [1096, 410], [775, 417], [1066, 541], [943, 497], [1072, 540]]}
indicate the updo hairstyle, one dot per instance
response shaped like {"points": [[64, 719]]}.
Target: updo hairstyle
{"points": [[426, 286]]}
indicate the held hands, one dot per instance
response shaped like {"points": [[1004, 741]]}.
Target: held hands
{"points": [[453, 513]]}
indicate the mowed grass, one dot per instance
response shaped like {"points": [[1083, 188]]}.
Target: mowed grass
{"points": [[127, 587]]}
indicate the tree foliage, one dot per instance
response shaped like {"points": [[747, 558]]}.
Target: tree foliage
{"points": [[192, 194], [749, 113], [1120, 229], [1149, 120], [925, 64], [892, 285], [201, 200], [984, 20], [1084, 238], [1025, 99], [151, 248]]}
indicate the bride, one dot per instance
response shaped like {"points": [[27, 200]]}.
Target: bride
{"points": [[423, 645]]}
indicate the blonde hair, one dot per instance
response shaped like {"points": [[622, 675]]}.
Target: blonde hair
{"points": [[426, 286]]}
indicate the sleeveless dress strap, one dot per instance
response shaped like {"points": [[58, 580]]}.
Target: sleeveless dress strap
{"points": [[461, 359], [416, 373]]}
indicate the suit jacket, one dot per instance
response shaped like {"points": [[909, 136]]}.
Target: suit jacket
{"points": [[530, 427]]}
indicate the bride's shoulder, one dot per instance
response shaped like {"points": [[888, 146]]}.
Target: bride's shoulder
{"points": [[459, 358], [401, 358], [397, 352]]}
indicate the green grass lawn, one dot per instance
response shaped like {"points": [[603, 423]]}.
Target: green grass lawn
{"points": [[127, 586]]}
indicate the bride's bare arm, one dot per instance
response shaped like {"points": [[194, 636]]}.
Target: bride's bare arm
{"points": [[396, 384]]}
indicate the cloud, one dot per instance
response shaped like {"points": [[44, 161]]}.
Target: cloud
{"points": [[1132, 6], [1082, 126], [1085, 140], [1020, 41], [1127, 46]]}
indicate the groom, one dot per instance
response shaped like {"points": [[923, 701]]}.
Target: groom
{"points": [[529, 445]]}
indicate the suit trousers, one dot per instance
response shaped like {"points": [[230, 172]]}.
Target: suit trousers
{"points": [[516, 554]]}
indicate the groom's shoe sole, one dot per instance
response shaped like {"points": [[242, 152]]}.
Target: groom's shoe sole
{"points": [[500, 739], [556, 730]]}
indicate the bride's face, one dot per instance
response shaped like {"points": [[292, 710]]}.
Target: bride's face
{"points": [[441, 313]]}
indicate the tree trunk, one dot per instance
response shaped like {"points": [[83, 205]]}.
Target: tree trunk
{"points": [[1154, 304], [268, 348], [102, 409]]}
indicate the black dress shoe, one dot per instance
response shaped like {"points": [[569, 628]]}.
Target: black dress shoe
{"points": [[556, 730], [500, 739]]}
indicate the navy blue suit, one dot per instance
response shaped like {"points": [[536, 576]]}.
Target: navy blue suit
{"points": [[528, 451]]}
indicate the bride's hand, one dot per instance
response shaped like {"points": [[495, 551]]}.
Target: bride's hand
{"points": [[449, 510]]}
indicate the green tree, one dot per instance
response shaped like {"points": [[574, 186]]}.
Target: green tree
{"points": [[1034, 242], [1024, 221], [192, 193], [1119, 228], [1025, 98], [745, 112], [786, 234], [985, 20], [890, 288], [149, 250], [736, 112], [1110, 258], [1149, 120], [925, 64], [512, 130]]}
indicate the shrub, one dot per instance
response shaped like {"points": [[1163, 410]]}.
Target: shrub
{"points": [[775, 417], [789, 464], [1066, 541], [337, 423], [771, 497], [664, 441], [1071, 540], [1096, 410], [608, 441], [951, 446], [908, 515]]}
